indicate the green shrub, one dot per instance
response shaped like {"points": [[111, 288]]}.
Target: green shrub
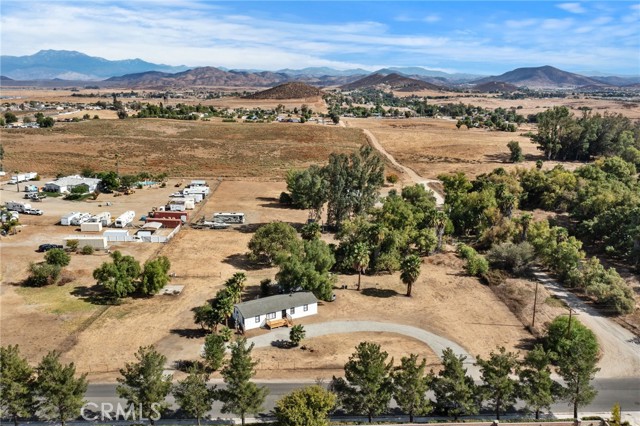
{"points": [[515, 258], [477, 265], [42, 274], [466, 252], [73, 245], [87, 250], [57, 257]]}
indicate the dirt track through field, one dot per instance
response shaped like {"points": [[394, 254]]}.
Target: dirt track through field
{"points": [[416, 178]]}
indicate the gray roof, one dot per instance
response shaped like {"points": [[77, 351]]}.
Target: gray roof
{"points": [[74, 180], [266, 305]]}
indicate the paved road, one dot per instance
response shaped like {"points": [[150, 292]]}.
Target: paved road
{"points": [[407, 170], [611, 391], [621, 348]]}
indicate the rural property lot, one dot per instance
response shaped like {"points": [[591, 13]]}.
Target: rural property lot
{"points": [[179, 148], [104, 338]]}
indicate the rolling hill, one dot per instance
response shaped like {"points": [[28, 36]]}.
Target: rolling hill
{"points": [[292, 90], [540, 77], [495, 86], [393, 81]]}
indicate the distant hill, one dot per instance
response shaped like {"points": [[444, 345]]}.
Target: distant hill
{"points": [[540, 77], [495, 86], [73, 65], [393, 81], [204, 76], [429, 75], [323, 71], [292, 90], [617, 81]]}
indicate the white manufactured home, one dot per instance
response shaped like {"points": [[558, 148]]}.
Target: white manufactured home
{"points": [[66, 184], [274, 311]]}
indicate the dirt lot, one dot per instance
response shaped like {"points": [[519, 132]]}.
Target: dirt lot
{"points": [[179, 148]]}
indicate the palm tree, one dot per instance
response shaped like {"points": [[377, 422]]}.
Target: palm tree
{"points": [[525, 221], [410, 268], [235, 285], [440, 224], [360, 259], [223, 304]]}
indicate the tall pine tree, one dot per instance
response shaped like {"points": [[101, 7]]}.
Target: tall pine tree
{"points": [[537, 387], [60, 393], [498, 385], [241, 396], [411, 385], [367, 386], [455, 392], [16, 384], [143, 383]]}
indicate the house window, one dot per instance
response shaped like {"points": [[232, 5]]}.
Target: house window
{"points": [[305, 308], [292, 311], [257, 319], [271, 315]]}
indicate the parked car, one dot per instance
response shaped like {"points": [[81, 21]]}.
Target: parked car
{"points": [[46, 247], [36, 212]]}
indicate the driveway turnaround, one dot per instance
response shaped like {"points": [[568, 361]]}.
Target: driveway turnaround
{"points": [[437, 343]]}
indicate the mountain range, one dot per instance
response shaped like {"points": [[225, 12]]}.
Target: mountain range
{"points": [[51, 66]]}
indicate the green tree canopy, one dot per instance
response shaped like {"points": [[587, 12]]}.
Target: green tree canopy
{"points": [[57, 257], [155, 275], [411, 385], [241, 396], [410, 271], [274, 240], [367, 386], [213, 352], [16, 384], [60, 393], [455, 392], [118, 277], [498, 385], [143, 383], [309, 406], [537, 388], [193, 396]]}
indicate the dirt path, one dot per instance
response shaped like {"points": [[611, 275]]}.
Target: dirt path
{"points": [[621, 348], [407, 170], [434, 341]]}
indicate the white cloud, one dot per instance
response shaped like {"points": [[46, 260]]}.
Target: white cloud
{"points": [[572, 7], [432, 18]]}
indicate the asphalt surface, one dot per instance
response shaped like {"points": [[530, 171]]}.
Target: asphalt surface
{"points": [[624, 391]]}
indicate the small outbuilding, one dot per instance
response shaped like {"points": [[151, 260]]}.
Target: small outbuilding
{"points": [[274, 311]]}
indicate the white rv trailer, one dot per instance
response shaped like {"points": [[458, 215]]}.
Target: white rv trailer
{"points": [[67, 218], [17, 206], [228, 217], [125, 219]]}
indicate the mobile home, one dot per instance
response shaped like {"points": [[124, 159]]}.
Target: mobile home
{"points": [[274, 311]]}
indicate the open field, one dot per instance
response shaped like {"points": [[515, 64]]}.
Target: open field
{"points": [[434, 146], [179, 148], [100, 339], [629, 108]]}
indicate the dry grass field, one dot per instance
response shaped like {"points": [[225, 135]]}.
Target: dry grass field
{"points": [[179, 148], [435, 146]]}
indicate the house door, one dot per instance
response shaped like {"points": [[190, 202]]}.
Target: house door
{"points": [[284, 314]]}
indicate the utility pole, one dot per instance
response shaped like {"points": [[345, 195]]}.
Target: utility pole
{"points": [[569, 327], [535, 304], [117, 169]]}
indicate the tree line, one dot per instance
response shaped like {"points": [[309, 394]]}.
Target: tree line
{"points": [[53, 390]]}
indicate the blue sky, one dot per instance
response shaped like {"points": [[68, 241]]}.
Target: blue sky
{"points": [[472, 37]]}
